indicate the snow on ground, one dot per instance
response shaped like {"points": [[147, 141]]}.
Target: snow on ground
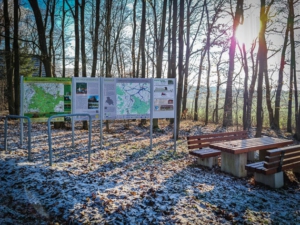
{"points": [[128, 183]]}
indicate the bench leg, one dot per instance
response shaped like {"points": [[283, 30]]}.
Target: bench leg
{"points": [[208, 162], [272, 180], [234, 164]]}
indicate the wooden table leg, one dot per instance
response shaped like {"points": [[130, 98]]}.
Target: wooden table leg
{"points": [[234, 164]]}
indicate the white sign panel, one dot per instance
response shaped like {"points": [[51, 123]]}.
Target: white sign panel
{"points": [[164, 97], [86, 96]]}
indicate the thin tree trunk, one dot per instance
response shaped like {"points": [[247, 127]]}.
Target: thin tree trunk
{"points": [[174, 41], [95, 39], [246, 99], [170, 39], [8, 60], [262, 60], [280, 77], [197, 93], [42, 37], [63, 39], [82, 28], [77, 47], [252, 85], [133, 58], [238, 18], [180, 64], [17, 59]]}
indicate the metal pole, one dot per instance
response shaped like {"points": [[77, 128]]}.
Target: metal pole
{"points": [[68, 115], [29, 132]]}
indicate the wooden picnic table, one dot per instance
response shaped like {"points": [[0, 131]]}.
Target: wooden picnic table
{"points": [[234, 153]]}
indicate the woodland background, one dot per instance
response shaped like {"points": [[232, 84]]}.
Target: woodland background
{"points": [[223, 76]]}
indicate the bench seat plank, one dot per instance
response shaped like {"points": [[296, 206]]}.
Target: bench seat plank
{"points": [[205, 152]]}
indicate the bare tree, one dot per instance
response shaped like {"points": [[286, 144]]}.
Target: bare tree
{"points": [[180, 64], [280, 76], [95, 39], [262, 62], [238, 19], [16, 59], [8, 59], [82, 29], [45, 58]]}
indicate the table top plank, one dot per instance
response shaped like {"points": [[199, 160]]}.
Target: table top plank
{"points": [[252, 144]]}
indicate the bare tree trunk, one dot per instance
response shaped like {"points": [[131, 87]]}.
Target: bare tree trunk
{"points": [[63, 39], [238, 18], [187, 57], [174, 41], [252, 85], [8, 60], [262, 60], [51, 7], [280, 77], [77, 47], [170, 39], [82, 28], [209, 24], [95, 39], [268, 99], [107, 38], [180, 64], [17, 59], [159, 57], [197, 93], [142, 45], [293, 65], [133, 39], [42, 37], [246, 99]]}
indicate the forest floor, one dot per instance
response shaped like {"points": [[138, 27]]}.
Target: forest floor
{"points": [[129, 183]]}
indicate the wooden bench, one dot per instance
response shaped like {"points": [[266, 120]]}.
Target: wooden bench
{"points": [[270, 171], [207, 156]]}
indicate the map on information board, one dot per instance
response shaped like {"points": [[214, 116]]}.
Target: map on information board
{"points": [[127, 98], [44, 97], [133, 99]]}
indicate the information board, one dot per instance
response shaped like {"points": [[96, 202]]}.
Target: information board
{"points": [[86, 97], [164, 95], [43, 97], [126, 98]]}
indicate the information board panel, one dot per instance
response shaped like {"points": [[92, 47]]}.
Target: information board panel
{"points": [[126, 98], [42, 97], [86, 97], [164, 97]]}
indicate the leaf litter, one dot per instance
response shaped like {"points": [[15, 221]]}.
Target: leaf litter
{"points": [[129, 183]]}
